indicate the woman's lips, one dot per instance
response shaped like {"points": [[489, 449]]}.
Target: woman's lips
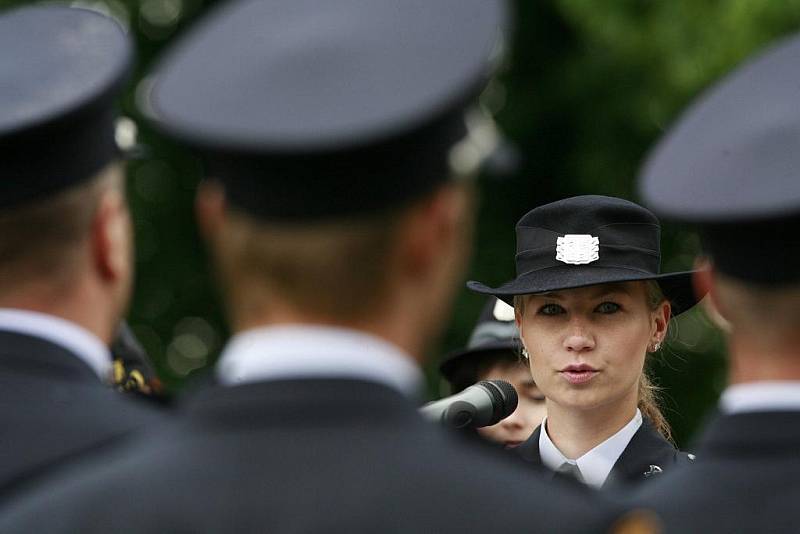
{"points": [[579, 374]]}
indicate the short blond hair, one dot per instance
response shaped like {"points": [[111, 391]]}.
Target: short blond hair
{"points": [[40, 240], [772, 312], [334, 268]]}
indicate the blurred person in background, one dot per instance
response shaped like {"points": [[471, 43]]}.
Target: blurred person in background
{"points": [[730, 167], [65, 240], [591, 304], [338, 215], [493, 353]]}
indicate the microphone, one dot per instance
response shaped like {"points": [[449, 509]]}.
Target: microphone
{"points": [[483, 404]]}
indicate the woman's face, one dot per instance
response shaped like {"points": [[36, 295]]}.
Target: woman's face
{"points": [[587, 346], [531, 408]]}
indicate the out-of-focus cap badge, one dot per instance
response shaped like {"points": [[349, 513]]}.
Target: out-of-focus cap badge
{"points": [[502, 311]]}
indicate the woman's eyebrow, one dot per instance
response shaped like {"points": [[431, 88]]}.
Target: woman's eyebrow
{"points": [[550, 295], [604, 291]]}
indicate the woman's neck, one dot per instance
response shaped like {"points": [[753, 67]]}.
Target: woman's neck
{"points": [[575, 432]]}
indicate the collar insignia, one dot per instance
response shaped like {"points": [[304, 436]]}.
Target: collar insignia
{"points": [[654, 470]]}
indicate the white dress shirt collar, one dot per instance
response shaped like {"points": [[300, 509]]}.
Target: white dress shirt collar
{"points": [[76, 339], [595, 465], [761, 397], [303, 351]]}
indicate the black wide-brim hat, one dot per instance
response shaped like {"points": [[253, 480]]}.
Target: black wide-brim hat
{"points": [[590, 240]]}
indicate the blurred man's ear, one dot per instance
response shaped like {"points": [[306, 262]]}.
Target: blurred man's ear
{"points": [[704, 284], [434, 227], [112, 237], [209, 208]]}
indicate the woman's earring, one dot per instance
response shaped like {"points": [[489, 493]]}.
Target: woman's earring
{"points": [[525, 354], [655, 346]]}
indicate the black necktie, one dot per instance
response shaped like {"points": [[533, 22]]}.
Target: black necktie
{"points": [[568, 471]]}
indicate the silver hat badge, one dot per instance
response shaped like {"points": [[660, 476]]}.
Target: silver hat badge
{"points": [[577, 249]]}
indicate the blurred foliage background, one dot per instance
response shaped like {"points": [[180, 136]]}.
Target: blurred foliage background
{"points": [[588, 88]]}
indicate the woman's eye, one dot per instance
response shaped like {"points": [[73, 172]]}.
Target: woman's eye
{"points": [[607, 307], [551, 309]]}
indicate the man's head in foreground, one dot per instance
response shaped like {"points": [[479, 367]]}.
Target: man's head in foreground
{"points": [[65, 231], [346, 203]]}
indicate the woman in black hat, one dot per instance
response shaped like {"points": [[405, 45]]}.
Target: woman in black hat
{"points": [[590, 304]]}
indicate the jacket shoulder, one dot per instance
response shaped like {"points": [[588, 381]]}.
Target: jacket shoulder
{"points": [[684, 458]]}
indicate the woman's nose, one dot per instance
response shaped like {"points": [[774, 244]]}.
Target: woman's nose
{"points": [[579, 340], [515, 421]]}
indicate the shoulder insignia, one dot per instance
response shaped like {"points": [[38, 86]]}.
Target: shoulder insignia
{"points": [[654, 470], [637, 521]]}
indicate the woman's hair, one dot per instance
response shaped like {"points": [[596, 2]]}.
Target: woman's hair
{"points": [[649, 400]]}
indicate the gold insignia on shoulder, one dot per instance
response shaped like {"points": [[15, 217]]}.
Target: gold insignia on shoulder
{"points": [[639, 521], [132, 380], [119, 372]]}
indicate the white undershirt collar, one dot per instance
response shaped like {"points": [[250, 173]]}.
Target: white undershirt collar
{"points": [[76, 339], [303, 351], [761, 397], [595, 465]]}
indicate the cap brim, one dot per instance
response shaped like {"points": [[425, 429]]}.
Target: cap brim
{"points": [[677, 287]]}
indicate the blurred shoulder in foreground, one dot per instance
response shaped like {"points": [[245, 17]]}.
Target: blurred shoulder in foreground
{"points": [[65, 240]]}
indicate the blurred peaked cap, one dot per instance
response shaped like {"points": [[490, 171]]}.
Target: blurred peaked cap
{"points": [[734, 154], [317, 108], [495, 324], [494, 332], [764, 252], [731, 165], [60, 71]]}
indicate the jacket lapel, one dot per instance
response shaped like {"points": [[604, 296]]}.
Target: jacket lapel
{"points": [[647, 454], [529, 451]]}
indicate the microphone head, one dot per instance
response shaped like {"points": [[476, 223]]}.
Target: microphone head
{"points": [[504, 398]]}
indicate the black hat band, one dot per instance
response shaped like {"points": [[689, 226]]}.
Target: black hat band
{"points": [[544, 249], [765, 253], [362, 180], [609, 256], [48, 159]]}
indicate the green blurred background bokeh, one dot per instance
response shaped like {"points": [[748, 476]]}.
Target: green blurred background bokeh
{"points": [[588, 88]]}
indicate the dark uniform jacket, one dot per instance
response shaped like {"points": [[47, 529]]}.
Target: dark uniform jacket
{"points": [[746, 478], [305, 456], [54, 409], [647, 455]]}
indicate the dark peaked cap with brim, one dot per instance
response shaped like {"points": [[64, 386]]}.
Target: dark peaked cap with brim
{"points": [[61, 69], [495, 332], [731, 164], [318, 108]]}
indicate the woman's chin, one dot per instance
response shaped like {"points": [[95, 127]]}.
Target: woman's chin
{"points": [[581, 400]]}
